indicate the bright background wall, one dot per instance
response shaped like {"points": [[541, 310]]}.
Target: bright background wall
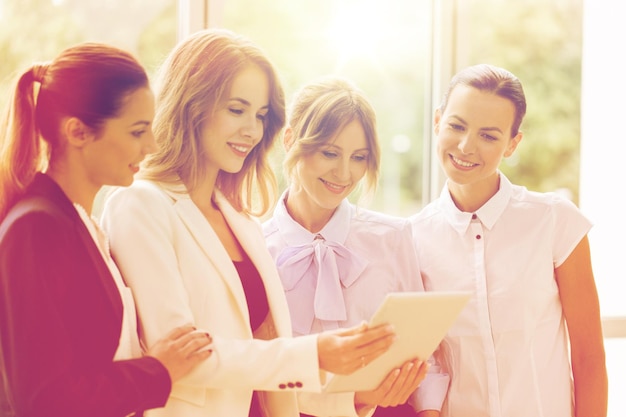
{"points": [[603, 148]]}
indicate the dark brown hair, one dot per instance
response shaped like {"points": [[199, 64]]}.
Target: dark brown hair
{"points": [[89, 81], [498, 81]]}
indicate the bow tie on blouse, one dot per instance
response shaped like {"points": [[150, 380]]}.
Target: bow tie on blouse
{"points": [[326, 265]]}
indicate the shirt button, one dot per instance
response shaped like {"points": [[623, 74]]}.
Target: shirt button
{"points": [[291, 385], [478, 237], [474, 216], [282, 386], [298, 384]]}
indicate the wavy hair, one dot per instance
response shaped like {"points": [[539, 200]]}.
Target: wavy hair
{"points": [[194, 78]]}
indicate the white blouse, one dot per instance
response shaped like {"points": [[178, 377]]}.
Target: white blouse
{"points": [[365, 255], [129, 345], [507, 354]]}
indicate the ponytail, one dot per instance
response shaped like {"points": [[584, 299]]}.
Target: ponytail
{"points": [[88, 81], [21, 150]]}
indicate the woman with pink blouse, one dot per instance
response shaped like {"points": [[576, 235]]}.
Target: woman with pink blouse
{"points": [[337, 261]]}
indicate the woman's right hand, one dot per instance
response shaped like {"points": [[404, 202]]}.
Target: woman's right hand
{"points": [[181, 350], [346, 350]]}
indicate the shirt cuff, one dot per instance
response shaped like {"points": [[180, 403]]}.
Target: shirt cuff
{"points": [[431, 392]]}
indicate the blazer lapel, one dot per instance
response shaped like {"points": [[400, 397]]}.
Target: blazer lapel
{"points": [[252, 241], [45, 187], [103, 272], [209, 242]]}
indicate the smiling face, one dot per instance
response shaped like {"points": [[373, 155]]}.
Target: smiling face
{"points": [[112, 155], [236, 126], [328, 175], [474, 134]]}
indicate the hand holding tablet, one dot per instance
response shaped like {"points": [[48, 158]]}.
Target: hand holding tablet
{"points": [[420, 321]]}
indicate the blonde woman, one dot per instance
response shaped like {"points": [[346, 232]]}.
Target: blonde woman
{"points": [[197, 255], [337, 261]]}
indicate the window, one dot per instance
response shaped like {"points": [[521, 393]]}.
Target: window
{"points": [[402, 53], [384, 47], [541, 42], [36, 30]]}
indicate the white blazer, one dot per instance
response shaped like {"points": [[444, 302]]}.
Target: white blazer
{"points": [[180, 273]]}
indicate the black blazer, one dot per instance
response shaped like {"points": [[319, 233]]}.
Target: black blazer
{"points": [[61, 318]]}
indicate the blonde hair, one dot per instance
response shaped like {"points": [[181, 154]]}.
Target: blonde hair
{"points": [[319, 111], [192, 81]]}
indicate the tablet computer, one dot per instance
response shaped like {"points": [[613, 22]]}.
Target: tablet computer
{"points": [[420, 320]]}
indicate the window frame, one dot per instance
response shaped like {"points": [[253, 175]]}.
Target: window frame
{"points": [[194, 15]]}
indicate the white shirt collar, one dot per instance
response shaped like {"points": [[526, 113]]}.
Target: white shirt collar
{"points": [[488, 214]]}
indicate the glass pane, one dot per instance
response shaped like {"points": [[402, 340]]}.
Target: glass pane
{"points": [[37, 30], [382, 46], [541, 42]]}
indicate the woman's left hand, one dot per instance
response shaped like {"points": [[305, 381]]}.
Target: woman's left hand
{"points": [[396, 388]]}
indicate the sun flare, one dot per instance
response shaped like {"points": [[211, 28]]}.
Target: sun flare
{"points": [[355, 30]]}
